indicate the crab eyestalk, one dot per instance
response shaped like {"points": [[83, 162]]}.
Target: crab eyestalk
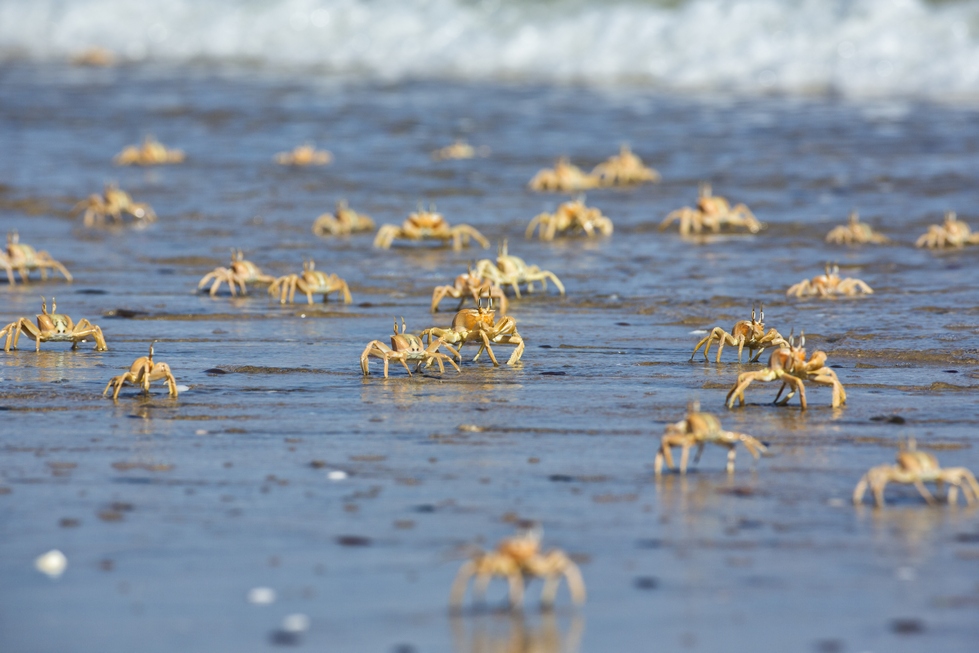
{"points": [[151, 351]]}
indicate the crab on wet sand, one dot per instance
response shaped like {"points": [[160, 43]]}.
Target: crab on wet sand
{"points": [[344, 221], [310, 282], [237, 276], [471, 284], [112, 204], [53, 327], [917, 468], [829, 284], [428, 225], [789, 365], [510, 270], [624, 169], [698, 429], [746, 333], [518, 559], [712, 213], [141, 373], [152, 152], [563, 177], [855, 232], [25, 259], [477, 325], [571, 218], [304, 155], [405, 348], [952, 233]]}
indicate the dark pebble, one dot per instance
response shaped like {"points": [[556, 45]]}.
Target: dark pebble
{"points": [[215, 370], [284, 638], [353, 540], [69, 522], [890, 419], [909, 626], [645, 583], [561, 478], [829, 646], [553, 373]]}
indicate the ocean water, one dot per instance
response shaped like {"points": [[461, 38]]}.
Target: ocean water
{"points": [[171, 511]]}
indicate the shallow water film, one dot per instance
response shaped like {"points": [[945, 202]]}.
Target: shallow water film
{"points": [[283, 499]]}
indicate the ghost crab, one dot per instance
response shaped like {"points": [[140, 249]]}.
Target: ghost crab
{"points": [[509, 270], [471, 284], [304, 155], [829, 284], [953, 233], [152, 152], [25, 259], [343, 222], [624, 169], [476, 325], [310, 282], [917, 468], [459, 150], [405, 348], [240, 273], [53, 327], [570, 218], [563, 177], [698, 429], [746, 333], [855, 232], [112, 203], [713, 213], [141, 372], [789, 365], [428, 225], [517, 559]]}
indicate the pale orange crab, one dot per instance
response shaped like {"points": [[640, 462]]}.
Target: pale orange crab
{"points": [[459, 150], [477, 325], [829, 284], [141, 372], [304, 155], [25, 259], [112, 204], [428, 225], [789, 365], [713, 213], [563, 177], [698, 429], [343, 222], [952, 233], [517, 559], [510, 270], [855, 233], [917, 468], [472, 285], [53, 327], [310, 282], [746, 333], [237, 276], [571, 218], [151, 153], [405, 348], [624, 169]]}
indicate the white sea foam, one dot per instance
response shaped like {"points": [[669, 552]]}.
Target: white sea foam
{"points": [[855, 47]]}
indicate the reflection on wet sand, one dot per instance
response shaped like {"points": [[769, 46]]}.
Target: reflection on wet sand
{"points": [[513, 632]]}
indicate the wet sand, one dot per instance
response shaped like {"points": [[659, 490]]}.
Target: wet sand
{"points": [[169, 511]]}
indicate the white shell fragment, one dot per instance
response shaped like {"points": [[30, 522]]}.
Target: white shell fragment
{"points": [[295, 623], [261, 595], [53, 563], [336, 475]]}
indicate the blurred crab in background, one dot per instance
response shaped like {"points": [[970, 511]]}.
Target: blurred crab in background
{"points": [[746, 333], [477, 325], [698, 429], [952, 233], [789, 365], [571, 218], [428, 225], [855, 233], [25, 259], [237, 276], [141, 373], [405, 348], [310, 282], [509, 270], [152, 152], [624, 169], [304, 155], [460, 149], [53, 327], [563, 177], [472, 285], [917, 468], [343, 222], [517, 559], [112, 204], [829, 284]]}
